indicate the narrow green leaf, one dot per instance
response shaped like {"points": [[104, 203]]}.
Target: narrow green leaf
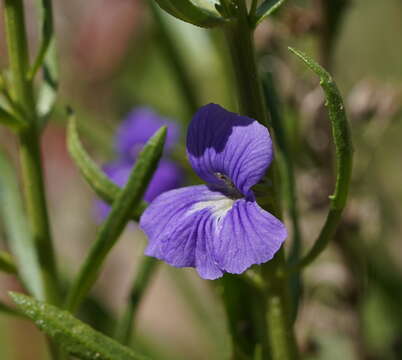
{"points": [[129, 198], [197, 12], [74, 336], [7, 263], [344, 155], [46, 18], [17, 231], [267, 8], [46, 58], [93, 175]]}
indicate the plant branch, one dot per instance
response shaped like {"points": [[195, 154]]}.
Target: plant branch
{"points": [[30, 156]]}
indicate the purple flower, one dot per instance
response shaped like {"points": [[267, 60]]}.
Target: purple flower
{"points": [[218, 227], [131, 136], [138, 126]]}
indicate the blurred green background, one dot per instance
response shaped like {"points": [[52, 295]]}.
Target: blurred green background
{"points": [[114, 56]]}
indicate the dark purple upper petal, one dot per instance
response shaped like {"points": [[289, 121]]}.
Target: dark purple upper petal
{"points": [[136, 129], [167, 176], [222, 142]]}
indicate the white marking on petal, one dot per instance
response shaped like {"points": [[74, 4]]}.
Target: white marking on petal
{"points": [[219, 207]]}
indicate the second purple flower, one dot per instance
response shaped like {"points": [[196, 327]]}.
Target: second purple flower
{"points": [[139, 125]]}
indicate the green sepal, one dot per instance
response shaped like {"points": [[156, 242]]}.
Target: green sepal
{"points": [[197, 12], [267, 8], [93, 175], [7, 263], [75, 337]]}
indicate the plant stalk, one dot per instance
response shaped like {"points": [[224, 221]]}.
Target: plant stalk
{"points": [[30, 157], [239, 34]]}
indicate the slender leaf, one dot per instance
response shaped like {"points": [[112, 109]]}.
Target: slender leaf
{"points": [[7, 263], [197, 12], [17, 231], [74, 336], [93, 175], [45, 7], [128, 199], [267, 8], [344, 155], [46, 58]]}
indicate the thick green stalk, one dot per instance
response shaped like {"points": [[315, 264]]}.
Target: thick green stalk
{"points": [[282, 341], [249, 90], [288, 179], [239, 34], [30, 157]]}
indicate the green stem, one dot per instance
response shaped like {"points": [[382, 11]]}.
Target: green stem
{"points": [[249, 89], [239, 34], [30, 157], [281, 337], [141, 283], [288, 180]]}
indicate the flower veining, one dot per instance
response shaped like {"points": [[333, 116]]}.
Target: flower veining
{"points": [[218, 227]]}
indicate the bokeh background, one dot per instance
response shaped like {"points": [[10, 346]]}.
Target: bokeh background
{"points": [[114, 57]]}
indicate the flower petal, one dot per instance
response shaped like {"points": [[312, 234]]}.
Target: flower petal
{"points": [[138, 126], [238, 147], [167, 176], [180, 225], [248, 235]]}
